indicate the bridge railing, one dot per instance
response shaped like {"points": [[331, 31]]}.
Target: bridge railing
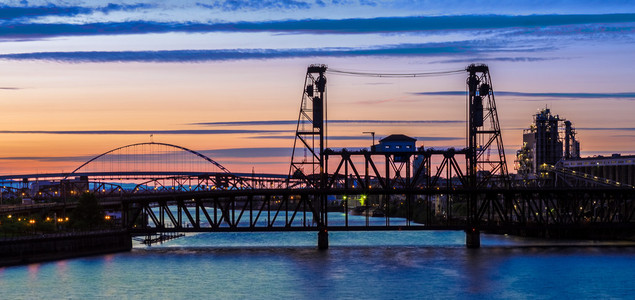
{"points": [[416, 209], [565, 172]]}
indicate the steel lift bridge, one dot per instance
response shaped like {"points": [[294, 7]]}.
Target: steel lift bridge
{"points": [[162, 188], [391, 177], [449, 189]]}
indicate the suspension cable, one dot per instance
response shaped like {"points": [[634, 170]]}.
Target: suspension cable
{"points": [[396, 75]]}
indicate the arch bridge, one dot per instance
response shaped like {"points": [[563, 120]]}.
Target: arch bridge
{"points": [[137, 169]]}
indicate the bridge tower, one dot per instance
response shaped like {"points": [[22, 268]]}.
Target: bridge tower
{"points": [[483, 169], [307, 158], [484, 131]]}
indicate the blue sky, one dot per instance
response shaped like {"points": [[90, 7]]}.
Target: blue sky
{"points": [[106, 73]]}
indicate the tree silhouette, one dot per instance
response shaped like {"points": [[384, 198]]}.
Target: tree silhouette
{"points": [[88, 214]]}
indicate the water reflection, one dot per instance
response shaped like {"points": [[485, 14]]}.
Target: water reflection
{"points": [[33, 271], [393, 265]]}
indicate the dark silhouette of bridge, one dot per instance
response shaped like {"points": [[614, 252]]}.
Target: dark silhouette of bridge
{"points": [[157, 188]]}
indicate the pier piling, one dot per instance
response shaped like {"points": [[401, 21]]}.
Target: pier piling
{"points": [[323, 239], [473, 238]]}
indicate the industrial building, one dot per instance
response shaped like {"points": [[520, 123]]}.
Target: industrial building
{"points": [[550, 145], [547, 141]]}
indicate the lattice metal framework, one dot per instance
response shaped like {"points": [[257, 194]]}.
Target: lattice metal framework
{"points": [[484, 131], [307, 158], [503, 210]]}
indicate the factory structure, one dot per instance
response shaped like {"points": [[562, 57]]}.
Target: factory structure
{"points": [[550, 147], [544, 142], [550, 152]]}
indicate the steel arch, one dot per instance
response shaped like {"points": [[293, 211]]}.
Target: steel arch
{"points": [[151, 143]]}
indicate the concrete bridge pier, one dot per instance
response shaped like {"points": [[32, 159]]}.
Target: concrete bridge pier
{"points": [[473, 238], [323, 239]]}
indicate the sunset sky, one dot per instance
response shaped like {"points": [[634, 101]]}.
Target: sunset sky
{"points": [[225, 78]]}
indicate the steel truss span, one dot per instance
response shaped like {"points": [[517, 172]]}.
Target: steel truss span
{"points": [[501, 210]]}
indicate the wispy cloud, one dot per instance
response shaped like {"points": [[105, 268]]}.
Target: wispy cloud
{"points": [[248, 123], [279, 9], [419, 138], [249, 152], [588, 129], [10, 88], [27, 13], [255, 163], [314, 26], [49, 158], [607, 128], [250, 5], [110, 7], [242, 5], [625, 96], [607, 153], [431, 49], [382, 101], [630, 95], [396, 122], [498, 59], [224, 153], [359, 137], [435, 23], [361, 122], [129, 132]]}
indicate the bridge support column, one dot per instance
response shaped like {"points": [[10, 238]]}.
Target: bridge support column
{"points": [[473, 238], [323, 239]]}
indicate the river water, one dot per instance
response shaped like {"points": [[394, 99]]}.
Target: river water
{"points": [[358, 265]]}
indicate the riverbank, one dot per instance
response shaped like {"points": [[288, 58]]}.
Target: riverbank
{"points": [[47, 247]]}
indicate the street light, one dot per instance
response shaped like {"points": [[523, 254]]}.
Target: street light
{"points": [[371, 133]]}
